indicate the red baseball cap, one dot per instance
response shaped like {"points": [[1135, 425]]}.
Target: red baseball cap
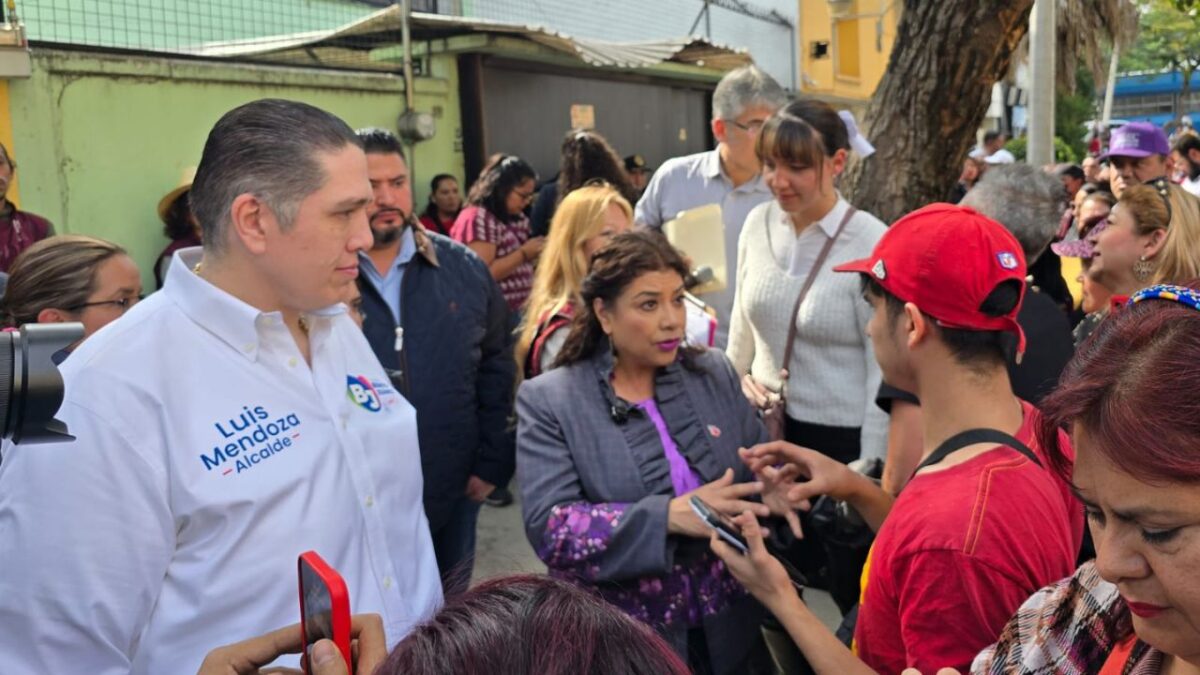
{"points": [[946, 260]]}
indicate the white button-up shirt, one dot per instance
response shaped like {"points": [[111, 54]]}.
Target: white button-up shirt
{"points": [[209, 456], [798, 253], [685, 183]]}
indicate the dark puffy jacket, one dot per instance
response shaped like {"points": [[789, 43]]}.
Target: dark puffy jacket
{"points": [[455, 366]]}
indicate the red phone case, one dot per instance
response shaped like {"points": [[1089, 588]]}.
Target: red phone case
{"points": [[339, 603]]}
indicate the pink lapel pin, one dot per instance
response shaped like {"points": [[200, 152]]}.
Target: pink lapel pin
{"points": [[714, 431]]}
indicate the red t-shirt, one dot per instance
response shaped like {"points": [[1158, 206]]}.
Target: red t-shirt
{"points": [[437, 225], [960, 551]]}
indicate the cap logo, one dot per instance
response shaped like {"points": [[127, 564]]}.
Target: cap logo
{"points": [[1007, 260], [878, 270], [1129, 139]]}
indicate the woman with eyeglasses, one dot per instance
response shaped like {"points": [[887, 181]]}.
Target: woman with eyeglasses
{"points": [[494, 226], [71, 278], [1138, 249]]}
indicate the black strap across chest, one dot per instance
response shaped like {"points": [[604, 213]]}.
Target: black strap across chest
{"points": [[973, 436]]}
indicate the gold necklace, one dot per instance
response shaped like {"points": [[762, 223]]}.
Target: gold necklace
{"points": [[304, 322]]}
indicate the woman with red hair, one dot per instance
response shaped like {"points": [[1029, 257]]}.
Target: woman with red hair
{"points": [[1129, 400], [517, 625]]}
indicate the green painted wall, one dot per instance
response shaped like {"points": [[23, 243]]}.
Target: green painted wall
{"points": [[100, 138]]}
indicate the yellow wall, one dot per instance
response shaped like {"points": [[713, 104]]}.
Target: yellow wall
{"points": [[859, 46], [6, 137]]}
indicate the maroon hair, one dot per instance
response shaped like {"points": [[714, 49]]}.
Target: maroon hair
{"points": [[1133, 386], [531, 625]]}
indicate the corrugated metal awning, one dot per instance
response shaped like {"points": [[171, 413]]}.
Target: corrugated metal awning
{"points": [[352, 45]]}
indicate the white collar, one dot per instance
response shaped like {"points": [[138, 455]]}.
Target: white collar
{"points": [[829, 224], [229, 318]]}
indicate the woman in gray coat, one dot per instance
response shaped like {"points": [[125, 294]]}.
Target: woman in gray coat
{"points": [[613, 442]]}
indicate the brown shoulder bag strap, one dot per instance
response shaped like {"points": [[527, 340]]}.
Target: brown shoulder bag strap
{"points": [[808, 282]]}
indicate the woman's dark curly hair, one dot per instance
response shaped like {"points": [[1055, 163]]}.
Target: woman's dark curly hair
{"points": [[498, 178], [587, 156]]}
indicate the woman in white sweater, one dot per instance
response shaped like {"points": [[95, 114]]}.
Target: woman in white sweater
{"points": [[832, 373]]}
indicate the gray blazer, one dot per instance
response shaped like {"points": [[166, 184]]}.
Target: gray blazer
{"points": [[577, 442]]}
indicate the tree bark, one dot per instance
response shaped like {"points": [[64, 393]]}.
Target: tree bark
{"points": [[932, 99]]}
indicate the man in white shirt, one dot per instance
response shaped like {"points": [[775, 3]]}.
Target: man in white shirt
{"points": [[730, 175], [224, 425]]}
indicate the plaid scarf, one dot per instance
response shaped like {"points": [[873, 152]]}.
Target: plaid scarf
{"points": [[1069, 627]]}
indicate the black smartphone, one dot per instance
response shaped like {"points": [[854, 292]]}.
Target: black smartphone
{"points": [[723, 524], [731, 533]]}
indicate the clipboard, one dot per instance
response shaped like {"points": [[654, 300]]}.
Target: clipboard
{"points": [[700, 234]]}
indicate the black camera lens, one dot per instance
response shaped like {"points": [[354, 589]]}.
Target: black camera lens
{"points": [[31, 388]]}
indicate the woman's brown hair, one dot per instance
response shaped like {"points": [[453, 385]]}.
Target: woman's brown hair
{"points": [[54, 273], [802, 133]]}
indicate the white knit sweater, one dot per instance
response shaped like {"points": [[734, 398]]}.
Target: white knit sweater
{"points": [[833, 376]]}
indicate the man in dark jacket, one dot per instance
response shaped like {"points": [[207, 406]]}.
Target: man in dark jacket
{"points": [[437, 322]]}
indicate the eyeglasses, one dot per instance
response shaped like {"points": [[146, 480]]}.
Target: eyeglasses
{"points": [[752, 127], [525, 196], [123, 303]]}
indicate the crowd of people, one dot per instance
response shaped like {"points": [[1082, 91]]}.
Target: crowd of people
{"points": [[970, 426]]}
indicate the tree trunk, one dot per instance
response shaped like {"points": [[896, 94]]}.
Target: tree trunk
{"points": [[932, 99]]}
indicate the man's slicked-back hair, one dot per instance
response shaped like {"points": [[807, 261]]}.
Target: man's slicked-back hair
{"points": [[267, 148], [377, 141]]}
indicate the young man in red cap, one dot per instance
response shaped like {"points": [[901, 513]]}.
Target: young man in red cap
{"points": [[982, 524]]}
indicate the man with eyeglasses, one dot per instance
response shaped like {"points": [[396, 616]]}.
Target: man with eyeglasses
{"points": [[728, 175]]}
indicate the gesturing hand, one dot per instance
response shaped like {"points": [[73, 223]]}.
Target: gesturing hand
{"points": [[722, 495], [825, 475], [776, 485]]}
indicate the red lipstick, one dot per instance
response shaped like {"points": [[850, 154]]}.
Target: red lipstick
{"points": [[1145, 610]]}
